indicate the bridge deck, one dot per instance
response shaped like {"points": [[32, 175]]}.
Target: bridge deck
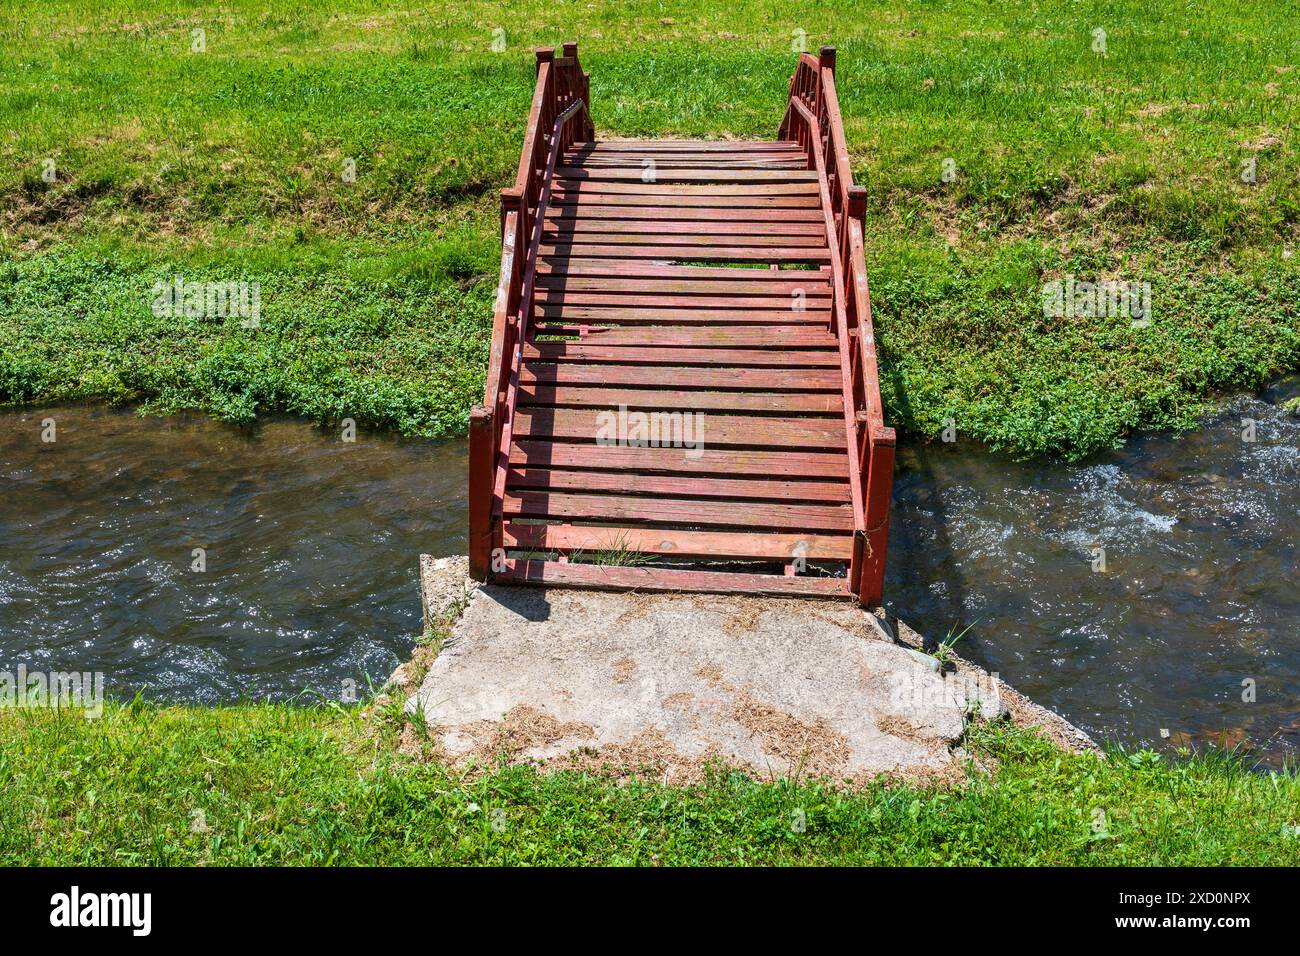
{"points": [[676, 345], [759, 471]]}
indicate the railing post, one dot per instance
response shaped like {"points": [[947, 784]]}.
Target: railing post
{"points": [[510, 197], [588, 124], [825, 60], [880, 483], [482, 455]]}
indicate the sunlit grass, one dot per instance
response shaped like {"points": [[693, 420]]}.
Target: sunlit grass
{"points": [[233, 162], [268, 784]]}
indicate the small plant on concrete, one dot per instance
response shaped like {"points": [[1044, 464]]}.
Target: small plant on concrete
{"points": [[943, 650]]}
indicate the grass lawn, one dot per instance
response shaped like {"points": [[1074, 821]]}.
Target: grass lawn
{"points": [[221, 155], [263, 784]]}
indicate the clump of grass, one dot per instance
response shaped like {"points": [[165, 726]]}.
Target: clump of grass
{"points": [[619, 554], [943, 649]]}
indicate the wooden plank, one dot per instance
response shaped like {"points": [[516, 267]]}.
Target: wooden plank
{"points": [[769, 148], [650, 236], [632, 376], [784, 159], [722, 544], [617, 316], [757, 253], [589, 211], [730, 358], [587, 199], [669, 162], [665, 174], [693, 430], [743, 514], [677, 486], [591, 281], [742, 226], [772, 150], [724, 462], [803, 403], [575, 574], [573, 187], [664, 300], [693, 336], [688, 145], [815, 281]]}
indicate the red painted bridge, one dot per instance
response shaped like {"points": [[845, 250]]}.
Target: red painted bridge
{"points": [[683, 391]]}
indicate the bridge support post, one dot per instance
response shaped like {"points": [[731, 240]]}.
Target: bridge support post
{"points": [[880, 485], [482, 454]]}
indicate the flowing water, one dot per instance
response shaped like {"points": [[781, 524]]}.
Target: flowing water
{"points": [[1149, 595], [1134, 594], [309, 552]]}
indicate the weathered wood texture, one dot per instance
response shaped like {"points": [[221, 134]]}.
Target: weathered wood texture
{"points": [[683, 367]]}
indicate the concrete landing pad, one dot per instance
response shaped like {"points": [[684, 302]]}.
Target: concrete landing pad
{"points": [[664, 684]]}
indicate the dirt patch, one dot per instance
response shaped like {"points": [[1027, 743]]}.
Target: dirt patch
{"points": [[952, 774], [817, 749], [409, 742], [641, 605], [857, 625], [522, 729], [711, 674], [649, 755], [904, 729], [742, 615], [1261, 143], [1155, 109], [1025, 713], [624, 669]]}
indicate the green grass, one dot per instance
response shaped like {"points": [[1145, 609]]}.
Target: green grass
{"points": [[376, 294], [264, 784]]}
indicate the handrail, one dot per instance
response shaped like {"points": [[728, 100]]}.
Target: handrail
{"points": [[562, 92], [812, 119], [559, 142], [840, 321]]}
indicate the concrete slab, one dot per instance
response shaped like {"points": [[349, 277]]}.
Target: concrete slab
{"points": [[667, 683]]}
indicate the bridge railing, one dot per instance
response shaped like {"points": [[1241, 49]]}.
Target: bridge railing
{"points": [[813, 120], [558, 118]]}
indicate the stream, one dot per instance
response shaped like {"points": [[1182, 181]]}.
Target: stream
{"points": [[1149, 595]]}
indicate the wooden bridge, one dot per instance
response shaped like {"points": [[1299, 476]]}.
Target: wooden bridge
{"points": [[682, 392]]}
